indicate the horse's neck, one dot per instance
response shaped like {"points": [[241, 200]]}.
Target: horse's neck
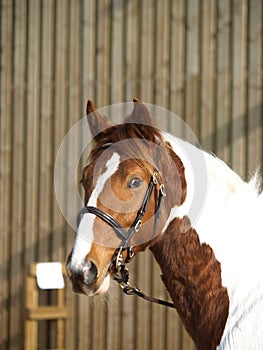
{"points": [[192, 276], [226, 224]]}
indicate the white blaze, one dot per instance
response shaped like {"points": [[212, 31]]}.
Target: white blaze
{"points": [[85, 235]]}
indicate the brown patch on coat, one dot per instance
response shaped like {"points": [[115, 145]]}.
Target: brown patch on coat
{"points": [[192, 276]]}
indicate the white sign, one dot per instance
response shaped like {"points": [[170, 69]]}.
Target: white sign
{"points": [[49, 275]]}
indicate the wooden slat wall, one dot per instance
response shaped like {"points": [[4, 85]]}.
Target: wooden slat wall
{"points": [[202, 59]]}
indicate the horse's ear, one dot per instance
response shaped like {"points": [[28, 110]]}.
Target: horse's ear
{"points": [[97, 122], [140, 114]]}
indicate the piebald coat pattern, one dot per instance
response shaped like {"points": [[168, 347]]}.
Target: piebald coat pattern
{"points": [[211, 262]]}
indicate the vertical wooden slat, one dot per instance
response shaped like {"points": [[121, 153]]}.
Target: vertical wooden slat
{"points": [[174, 330], [223, 80], [99, 323], [46, 136], [146, 51], [161, 54], [142, 279], [177, 60], [131, 48], [88, 52], [207, 111], [103, 52], [239, 85], [158, 317], [61, 338], [128, 317], [31, 301], [192, 67], [113, 339], [18, 174], [74, 62], [116, 90], [5, 167], [32, 132], [255, 78]]}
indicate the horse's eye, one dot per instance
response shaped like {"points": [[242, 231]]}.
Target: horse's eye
{"points": [[135, 182]]}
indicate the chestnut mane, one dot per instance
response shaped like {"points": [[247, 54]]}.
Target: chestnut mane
{"points": [[127, 131]]}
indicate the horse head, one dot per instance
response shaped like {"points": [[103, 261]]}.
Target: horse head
{"points": [[131, 168]]}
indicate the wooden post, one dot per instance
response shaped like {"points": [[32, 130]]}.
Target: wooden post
{"points": [[35, 313]]}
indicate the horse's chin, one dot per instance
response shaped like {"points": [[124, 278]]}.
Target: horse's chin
{"points": [[99, 290], [104, 286]]}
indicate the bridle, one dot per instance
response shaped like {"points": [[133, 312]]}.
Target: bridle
{"points": [[122, 272]]}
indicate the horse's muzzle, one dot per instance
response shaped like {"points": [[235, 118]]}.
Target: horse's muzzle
{"points": [[81, 276]]}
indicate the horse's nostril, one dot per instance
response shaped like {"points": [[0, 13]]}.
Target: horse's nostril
{"points": [[90, 272]]}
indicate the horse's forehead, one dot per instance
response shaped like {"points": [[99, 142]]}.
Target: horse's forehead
{"points": [[115, 164]]}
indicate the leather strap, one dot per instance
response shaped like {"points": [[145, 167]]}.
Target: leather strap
{"points": [[130, 290]]}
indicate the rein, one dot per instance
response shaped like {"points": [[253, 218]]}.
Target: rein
{"points": [[130, 290], [122, 274]]}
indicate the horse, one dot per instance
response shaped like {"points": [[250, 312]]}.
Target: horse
{"points": [[139, 189]]}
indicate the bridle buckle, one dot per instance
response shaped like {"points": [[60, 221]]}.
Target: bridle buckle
{"points": [[119, 259], [162, 190], [156, 181], [138, 226], [155, 177]]}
